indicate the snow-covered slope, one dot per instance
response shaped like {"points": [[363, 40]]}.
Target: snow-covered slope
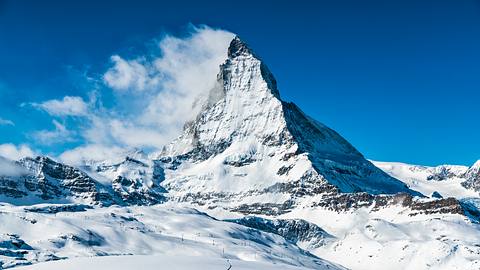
{"points": [[247, 149], [396, 238], [51, 232], [446, 180], [155, 262]]}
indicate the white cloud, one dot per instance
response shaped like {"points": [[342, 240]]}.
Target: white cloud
{"points": [[10, 168], [91, 152], [185, 70], [159, 93], [188, 67], [129, 74], [131, 135], [154, 95], [13, 152], [59, 134], [6, 122], [68, 106]]}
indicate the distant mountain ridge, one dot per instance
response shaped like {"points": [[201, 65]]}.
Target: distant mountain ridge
{"points": [[43, 180], [447, 180]]}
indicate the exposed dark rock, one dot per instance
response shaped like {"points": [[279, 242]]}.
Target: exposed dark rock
{"points": [[13, 242], [284, 170], [49, 180], [345, 202], [90, 239], [269, 209], [293, 230], [53, 209]]}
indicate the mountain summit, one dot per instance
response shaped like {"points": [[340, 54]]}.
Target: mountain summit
{"points": [[248, 145], [246, 153], [246, 148]]}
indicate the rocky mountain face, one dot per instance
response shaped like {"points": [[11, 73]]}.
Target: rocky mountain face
{"points": [[297, 231], [472, 177], [249, 146], [42, 180]]}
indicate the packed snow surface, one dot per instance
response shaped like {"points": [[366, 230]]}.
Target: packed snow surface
{"points": [[156, 262], [51, 232]]}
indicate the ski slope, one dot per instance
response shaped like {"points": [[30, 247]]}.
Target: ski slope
{"points": [[157, 262]]}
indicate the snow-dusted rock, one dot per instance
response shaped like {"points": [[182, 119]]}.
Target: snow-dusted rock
{"points": [[297, 231], [43, 180], [472, 177]]}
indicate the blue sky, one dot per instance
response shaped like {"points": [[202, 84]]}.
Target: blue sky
{"points": [[399, 79]]}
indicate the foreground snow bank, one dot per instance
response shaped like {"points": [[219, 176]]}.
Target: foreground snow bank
{"points": [[48, 233], [154, 263]]}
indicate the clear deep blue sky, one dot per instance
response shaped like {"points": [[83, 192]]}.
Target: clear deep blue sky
{"points": [[399, 79]]}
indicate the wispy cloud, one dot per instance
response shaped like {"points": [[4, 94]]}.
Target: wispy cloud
{"points": [[169, 84], [91, 152], [6, 122], [68, 106], [133, 74], [154, 95], [10, 168], [13, 152], [57, 135]]}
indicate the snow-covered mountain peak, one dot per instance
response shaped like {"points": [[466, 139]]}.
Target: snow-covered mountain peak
{"points": [[244, 67], [238, 47], [248, 141], [476, 165]]}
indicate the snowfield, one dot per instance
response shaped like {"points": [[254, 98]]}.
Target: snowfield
{"points": [[39, 234], [367, 240], [156, 262]]}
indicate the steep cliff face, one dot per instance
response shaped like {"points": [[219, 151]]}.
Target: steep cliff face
{"points": [[247, 145]]}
